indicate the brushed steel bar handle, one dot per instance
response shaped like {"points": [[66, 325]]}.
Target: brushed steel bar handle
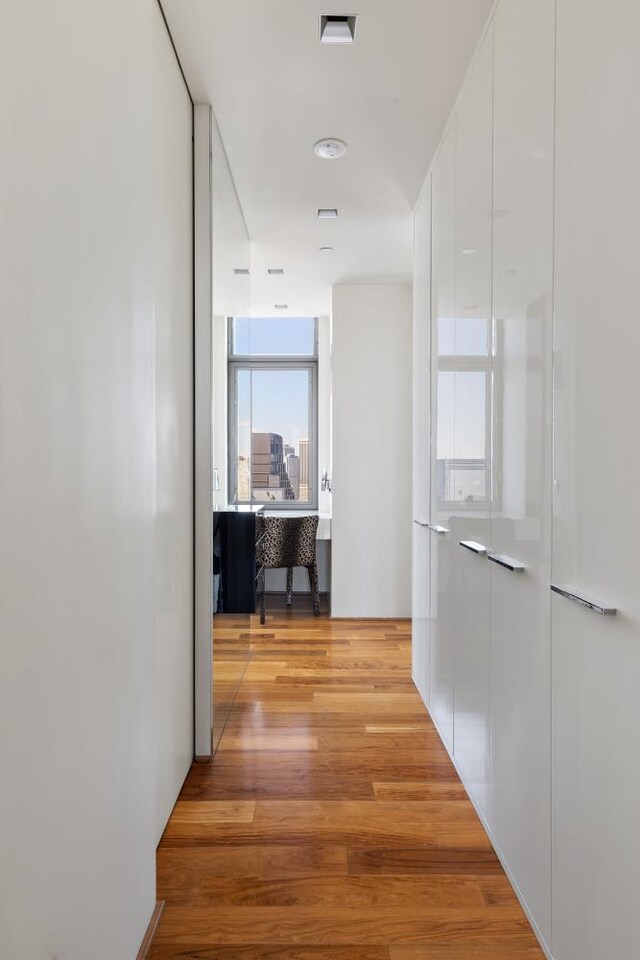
{"points": [[421, 523], [436, 529], [507, 562], [475, 547], [589, 604]]}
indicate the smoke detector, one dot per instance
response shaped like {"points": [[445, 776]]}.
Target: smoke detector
{"points": [[330, 149]]}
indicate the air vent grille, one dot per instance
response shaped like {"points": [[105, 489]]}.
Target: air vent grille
{"points": [[340, 28]]}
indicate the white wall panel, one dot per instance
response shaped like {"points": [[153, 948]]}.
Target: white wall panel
{"points": [[421, 380], [95, 492], [471, 366], [596, 520], [519, 794], [442, 437], [371, 453], [174, 555]]}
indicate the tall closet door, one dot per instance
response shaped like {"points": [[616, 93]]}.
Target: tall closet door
{"points": [[442, 438], [471, 368], [596, 517], [519, 789], [420, 426]]}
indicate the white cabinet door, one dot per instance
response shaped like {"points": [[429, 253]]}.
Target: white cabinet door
{"points": [[420, 632], [471, 365], [442, 438], [596, 517], [519, 788], [420, 426]]}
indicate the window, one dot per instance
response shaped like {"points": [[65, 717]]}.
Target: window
{"points": [[273, 411]]}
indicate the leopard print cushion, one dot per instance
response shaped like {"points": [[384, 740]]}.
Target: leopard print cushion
{"points": [[288, 541]]}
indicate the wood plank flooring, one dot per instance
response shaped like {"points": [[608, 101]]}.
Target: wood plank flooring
{"points": [[331, 823]]}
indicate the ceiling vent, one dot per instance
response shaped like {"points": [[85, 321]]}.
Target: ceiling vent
{"points": [[327, 213], [338, 29], [275, 271], [241, 271], [281, 306]]}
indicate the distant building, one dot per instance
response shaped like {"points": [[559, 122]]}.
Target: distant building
{"points": [[293, 472], [244, 478], [270, 478], [303, 456]]}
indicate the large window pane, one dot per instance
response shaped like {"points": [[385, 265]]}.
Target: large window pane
{"points": [[273, 337], [273, 423]]}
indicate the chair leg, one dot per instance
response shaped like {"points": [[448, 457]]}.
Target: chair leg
{"points": [[313, 583], [263, 579], [289, 585]]}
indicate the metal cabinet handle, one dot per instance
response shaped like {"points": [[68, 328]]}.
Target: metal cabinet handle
{"points": [[436, 529], [478, 548], [421, 523], [507, 562], [589, 604]]}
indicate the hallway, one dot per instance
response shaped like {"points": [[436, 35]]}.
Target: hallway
{"points": [[331, 823]]}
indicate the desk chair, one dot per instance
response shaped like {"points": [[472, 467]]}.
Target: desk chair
{"points": [[287, 542]]}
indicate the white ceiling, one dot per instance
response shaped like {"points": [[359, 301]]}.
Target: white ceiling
{"points": [[276, 90]]}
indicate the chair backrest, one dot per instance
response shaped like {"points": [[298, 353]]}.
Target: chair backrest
{"points": [[288, 541]]}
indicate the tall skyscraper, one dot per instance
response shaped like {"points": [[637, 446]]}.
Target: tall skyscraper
{"points": [[268, 468]]}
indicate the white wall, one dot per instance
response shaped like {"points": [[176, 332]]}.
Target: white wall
{"points": [[371, 451], [95, 481]]}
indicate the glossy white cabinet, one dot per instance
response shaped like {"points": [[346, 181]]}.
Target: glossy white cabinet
{"points": [[519, 786], [596, 518], [470, 365], [420, 428], [442, 438]]}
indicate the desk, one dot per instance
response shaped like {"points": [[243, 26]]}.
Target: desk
{"points": [[234, 542], [234, 531]]}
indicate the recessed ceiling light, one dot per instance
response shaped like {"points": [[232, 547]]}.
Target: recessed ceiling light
{"points": [[327, 213], [281, 306], [325, 250], [330, 149], [337, 29], [275, 271], [241, 271], [469, 251]]}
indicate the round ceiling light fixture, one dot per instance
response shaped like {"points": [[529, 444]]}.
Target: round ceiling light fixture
{"points": [[325, 250], [330, 148]]}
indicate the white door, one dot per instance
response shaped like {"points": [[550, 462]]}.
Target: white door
{"points": [[519, 789], [442, 437], [596, 517], [471, 364]]}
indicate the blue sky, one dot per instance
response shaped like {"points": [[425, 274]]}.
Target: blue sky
{"points": [[279, 398]]}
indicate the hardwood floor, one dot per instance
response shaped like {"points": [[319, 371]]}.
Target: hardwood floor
{"points": [[331, 823]]}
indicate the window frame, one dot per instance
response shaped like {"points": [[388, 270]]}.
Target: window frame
{"points": [[236, 363]]}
